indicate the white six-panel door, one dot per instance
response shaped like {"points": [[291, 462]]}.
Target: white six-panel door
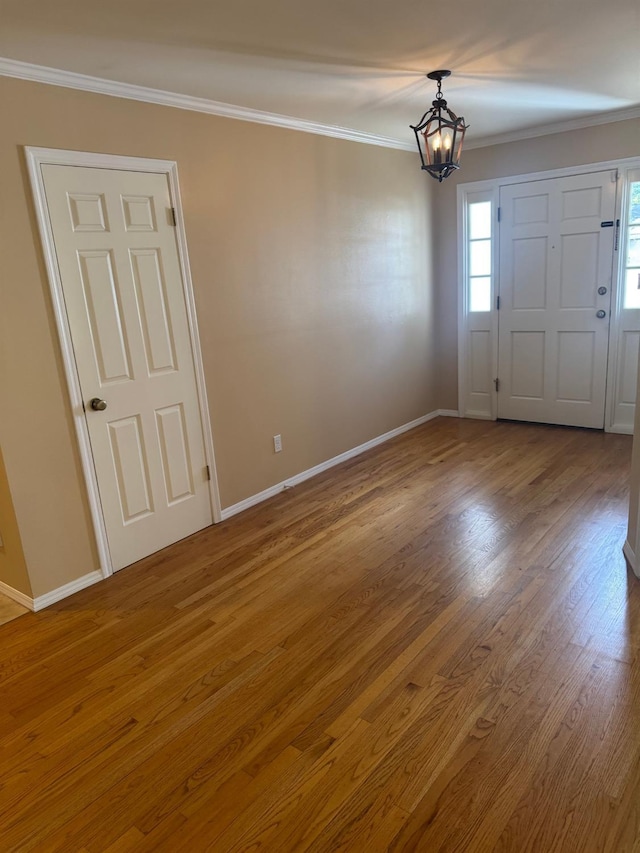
{"points": [[119, 267], [556, 249]]}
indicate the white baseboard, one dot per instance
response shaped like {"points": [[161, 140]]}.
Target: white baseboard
{"points": [[330, 463], [630, 557], [16, 595], [448, 413], [621, 429], [65, 591]]}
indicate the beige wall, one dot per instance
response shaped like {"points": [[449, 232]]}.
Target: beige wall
{"points": [[13, 569], [573, 148], [312, 275]]}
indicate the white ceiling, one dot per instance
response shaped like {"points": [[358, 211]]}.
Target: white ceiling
{"points": [[359, 64]]}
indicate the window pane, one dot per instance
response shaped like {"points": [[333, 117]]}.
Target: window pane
{"points": [[480, 294], [480, 257], [633, 249], [480, 220], [634, 205], [632, 289]]}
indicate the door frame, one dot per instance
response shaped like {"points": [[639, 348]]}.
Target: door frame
{"points": [[36, 158], [493, 185]]}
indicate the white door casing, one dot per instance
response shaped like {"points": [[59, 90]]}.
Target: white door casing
{"points": [[131, 330], [555, 256]]}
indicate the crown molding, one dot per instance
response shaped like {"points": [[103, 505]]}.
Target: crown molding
{"points": [[98, 85], [102, 86], [556, 127]]}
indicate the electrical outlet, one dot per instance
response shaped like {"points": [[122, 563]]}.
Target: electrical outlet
{"points": [[277, 443]]}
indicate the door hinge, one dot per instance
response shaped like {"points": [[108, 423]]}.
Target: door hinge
{"points": [[614, 176], [207, 471], [172, 213], [499, 213], [496, 382], [617, 237], [497, 303]]}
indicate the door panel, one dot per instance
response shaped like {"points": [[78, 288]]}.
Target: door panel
{"points": [[174, 448], [130, 464], [628, 370], [123, 290], [576, 357], [104, 316], [579, 270], [479, 367], [554, 257], [529, 273], [527, 364], [157, 332]]}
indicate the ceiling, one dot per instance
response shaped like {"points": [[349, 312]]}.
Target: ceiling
{"points": [[357, 64]]}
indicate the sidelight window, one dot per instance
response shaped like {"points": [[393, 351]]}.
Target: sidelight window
{"points": [[479, 254], [632, 248]]}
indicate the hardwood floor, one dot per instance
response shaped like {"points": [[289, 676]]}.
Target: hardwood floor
{"points": [[10, 609], [433, 647]]}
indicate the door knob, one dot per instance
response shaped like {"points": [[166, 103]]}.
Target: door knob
{"points": [[97, 404], [601, 314]]}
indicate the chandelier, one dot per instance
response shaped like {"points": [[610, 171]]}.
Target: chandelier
{"points": [[439, 134]]}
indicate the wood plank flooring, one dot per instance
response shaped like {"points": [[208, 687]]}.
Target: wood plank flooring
{"points": [[433, 647], [10, 609]]}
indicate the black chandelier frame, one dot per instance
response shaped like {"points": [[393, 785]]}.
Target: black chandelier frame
{"points": [[440, 134]]}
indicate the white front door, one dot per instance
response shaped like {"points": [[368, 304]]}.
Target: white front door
{"points": [[122, 283], [556, 252]]}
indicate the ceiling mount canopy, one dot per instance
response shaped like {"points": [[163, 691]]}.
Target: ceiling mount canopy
{"points": [[439, 134]]}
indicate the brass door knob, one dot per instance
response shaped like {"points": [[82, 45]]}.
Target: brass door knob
{"points": [[97, 404]]}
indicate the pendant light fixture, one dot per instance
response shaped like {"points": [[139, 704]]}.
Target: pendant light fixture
{"points": [[440, 134]]}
